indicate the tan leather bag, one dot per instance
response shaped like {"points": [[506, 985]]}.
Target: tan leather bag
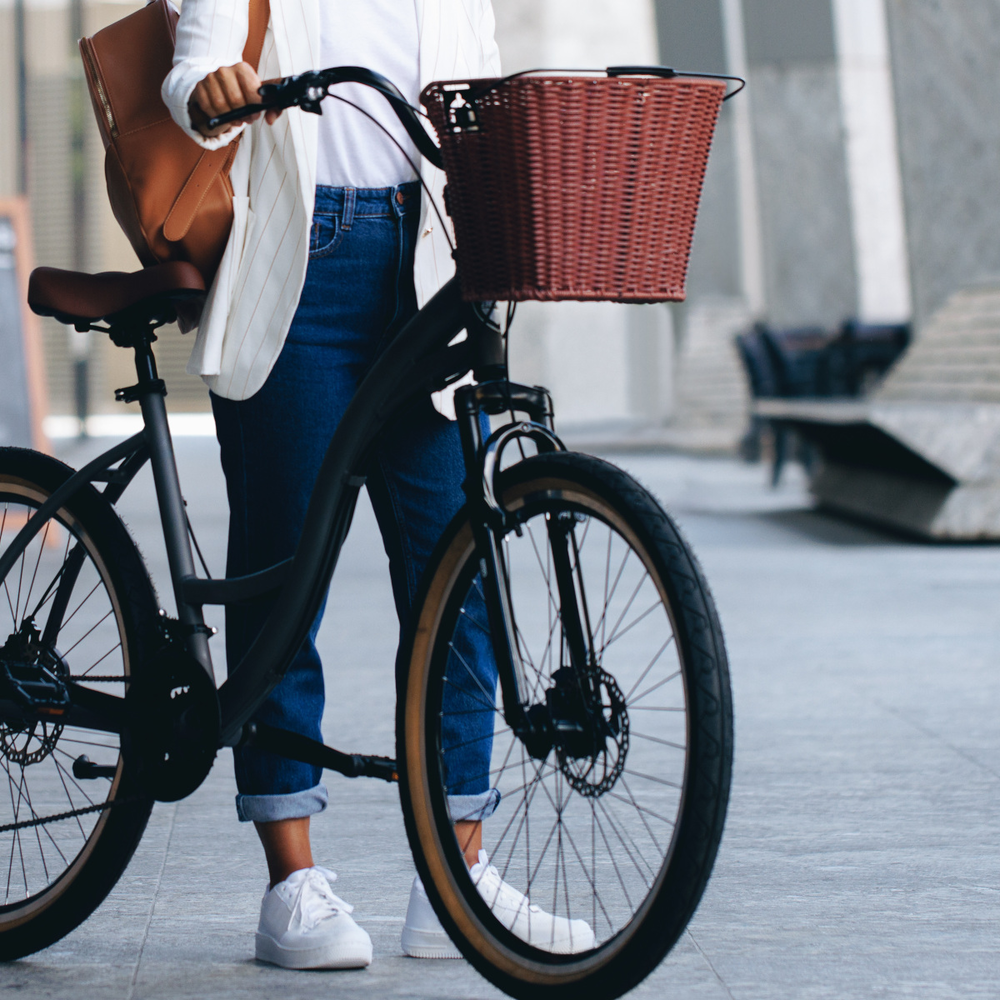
{"points": [[173, 199]]}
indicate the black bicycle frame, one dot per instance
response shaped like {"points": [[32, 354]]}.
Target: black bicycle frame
{"points": [[416, 363], [420, 360]]}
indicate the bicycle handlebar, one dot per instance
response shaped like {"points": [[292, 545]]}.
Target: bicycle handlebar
{"points": [[307, 91]]}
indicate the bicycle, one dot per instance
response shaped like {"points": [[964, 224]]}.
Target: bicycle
{"points": [[611, 736]]}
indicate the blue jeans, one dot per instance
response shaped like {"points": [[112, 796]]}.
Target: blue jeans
{"points": [[358, 294]]}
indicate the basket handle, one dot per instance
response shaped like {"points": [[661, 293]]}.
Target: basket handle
{"points": [[668, 74]]}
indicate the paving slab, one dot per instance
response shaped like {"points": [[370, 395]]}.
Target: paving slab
{"points": [[860, 855]]}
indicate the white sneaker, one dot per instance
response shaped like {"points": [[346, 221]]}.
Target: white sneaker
{"points": [[526, 920], [303, 925], [424, 937]]}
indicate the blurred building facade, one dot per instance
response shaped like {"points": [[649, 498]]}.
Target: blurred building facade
{"points": [[52, 152], [854, 178]]}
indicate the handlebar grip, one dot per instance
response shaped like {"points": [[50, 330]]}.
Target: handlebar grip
{"points": [[236, 114]]}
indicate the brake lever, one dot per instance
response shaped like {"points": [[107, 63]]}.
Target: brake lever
{"points": [[305, 91]]}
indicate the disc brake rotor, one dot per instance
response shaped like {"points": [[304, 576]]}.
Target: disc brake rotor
{"points": [[597, 772]]}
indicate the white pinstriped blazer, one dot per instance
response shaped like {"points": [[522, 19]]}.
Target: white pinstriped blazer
{"points": [[256, 291]]}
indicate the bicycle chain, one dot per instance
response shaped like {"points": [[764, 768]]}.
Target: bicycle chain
{"points": [[25, 824]]}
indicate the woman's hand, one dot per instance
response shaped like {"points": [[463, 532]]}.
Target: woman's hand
{"points": [[225, 90]]}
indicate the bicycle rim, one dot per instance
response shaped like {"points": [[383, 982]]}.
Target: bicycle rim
{"points": [[59, 609]]}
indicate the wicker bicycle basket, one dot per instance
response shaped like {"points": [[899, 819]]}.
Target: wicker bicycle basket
{"points": [[574, 187]]}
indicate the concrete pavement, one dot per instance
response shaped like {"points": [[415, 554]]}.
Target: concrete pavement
{"points": [[860, 857]]}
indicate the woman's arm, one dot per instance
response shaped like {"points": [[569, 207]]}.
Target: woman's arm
{"points": [[209, 75]]}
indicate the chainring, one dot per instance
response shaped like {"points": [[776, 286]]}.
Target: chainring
{"points": [[173, 727]]}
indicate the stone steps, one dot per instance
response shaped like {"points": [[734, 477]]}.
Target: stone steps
{"points": [[956, 357]]}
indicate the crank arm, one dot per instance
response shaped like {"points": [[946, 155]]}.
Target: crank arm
{"points": [[294, 746]]}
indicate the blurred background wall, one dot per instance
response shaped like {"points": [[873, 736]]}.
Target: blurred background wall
{"points": [[854, 178], [51, 151]]}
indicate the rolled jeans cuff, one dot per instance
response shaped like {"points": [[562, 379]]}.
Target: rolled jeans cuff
{"points": [[473, 808], [268, 808]]}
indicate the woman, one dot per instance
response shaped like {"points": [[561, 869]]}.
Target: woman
{"points": [[331, 252]]}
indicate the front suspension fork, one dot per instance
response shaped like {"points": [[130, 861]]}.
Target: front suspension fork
{"points": [[490, 521]]}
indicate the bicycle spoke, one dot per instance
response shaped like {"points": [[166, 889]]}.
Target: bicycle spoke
{"points": [[96, 663], [614, 587], [50, 590], [650, 777], [617, 635], [20, 583], [489, 699], [482, 628], [611, 857], [662, 743], [635, 805], [90, 743], [61, 771], [614, 823], [13, 840], [38, 560], [631, 600], [607, 578], [10, 603], [652, 663], [657, 686], [35, 815], [110, 612]]}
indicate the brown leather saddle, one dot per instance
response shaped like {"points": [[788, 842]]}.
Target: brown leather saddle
{"points": [[150, 297]]}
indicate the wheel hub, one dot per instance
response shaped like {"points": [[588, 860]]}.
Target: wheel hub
{"points": [[586, 723], [33, 677]]}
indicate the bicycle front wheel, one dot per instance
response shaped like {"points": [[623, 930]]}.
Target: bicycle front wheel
{"points": [[77, 606], [606, 833]]}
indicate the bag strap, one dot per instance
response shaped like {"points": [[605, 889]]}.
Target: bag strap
{"points": [[212, 162], [260, 14]]}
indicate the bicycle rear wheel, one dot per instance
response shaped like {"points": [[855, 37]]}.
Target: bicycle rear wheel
{"points": [[78, 606], [617, 822]]}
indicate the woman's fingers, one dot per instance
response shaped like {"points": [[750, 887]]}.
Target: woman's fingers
{"points": [[226, 89], [249, 83]]}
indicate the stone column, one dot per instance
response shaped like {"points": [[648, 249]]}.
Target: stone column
{"points": [[725, 283], [944, 62], [869, 112], [801, 167]]}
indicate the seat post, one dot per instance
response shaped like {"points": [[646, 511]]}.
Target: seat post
{"points": [[150, 392]]}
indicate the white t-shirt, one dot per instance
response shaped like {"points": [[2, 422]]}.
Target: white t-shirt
{"points": [[381, 35]]}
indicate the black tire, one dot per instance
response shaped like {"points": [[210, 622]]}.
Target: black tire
{"points": [[583, 796], [54, 875]]}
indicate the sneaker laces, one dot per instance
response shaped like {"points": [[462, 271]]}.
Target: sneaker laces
{"points": [[315, 901]]}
